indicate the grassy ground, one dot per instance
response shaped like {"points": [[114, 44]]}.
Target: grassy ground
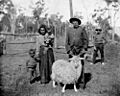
{"points": [[101, 80]]}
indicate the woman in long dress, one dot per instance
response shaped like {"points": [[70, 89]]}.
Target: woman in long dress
{"points": [[45, 54]]}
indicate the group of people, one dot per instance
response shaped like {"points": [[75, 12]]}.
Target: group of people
{"points": [[77, 41], [42, 55]]}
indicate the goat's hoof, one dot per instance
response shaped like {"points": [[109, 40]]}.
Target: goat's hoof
{"points": [[54, 86], [76, 90], [63, 91]]}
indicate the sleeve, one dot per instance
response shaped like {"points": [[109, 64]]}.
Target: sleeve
{"points": [[94, 37], [85, 39], [37, 45], [27, 65], [67, 45], [105, 39]]}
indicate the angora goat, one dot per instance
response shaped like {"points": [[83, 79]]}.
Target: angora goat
{"points": [[66, 72]]}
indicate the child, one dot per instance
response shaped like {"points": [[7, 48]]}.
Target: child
{"points": [[31, 65], [99, 42], [49, 38]]}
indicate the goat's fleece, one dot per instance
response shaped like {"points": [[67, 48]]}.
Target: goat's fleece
{"points": [[65, 72]]}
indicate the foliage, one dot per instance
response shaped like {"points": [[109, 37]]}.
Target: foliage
{"points": [[101, 20], [25, 24], [89, 27], [110, 1], [5, 5], [7, 8], [5, 24], [56, 20]]}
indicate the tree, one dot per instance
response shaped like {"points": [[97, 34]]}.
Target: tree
{"points": [[102, 21], [38, 10], [8, 9], [116, 3]]}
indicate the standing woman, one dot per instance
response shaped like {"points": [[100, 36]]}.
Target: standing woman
{"points": [[45, 54]]}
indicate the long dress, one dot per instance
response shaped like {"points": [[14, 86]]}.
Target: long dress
{"points": [[46, 56]]}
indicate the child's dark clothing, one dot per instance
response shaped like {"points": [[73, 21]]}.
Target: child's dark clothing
{"points": [[99, 41], [31, 65]]}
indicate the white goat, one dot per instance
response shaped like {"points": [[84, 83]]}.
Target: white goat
{"points": [[67, 72]]}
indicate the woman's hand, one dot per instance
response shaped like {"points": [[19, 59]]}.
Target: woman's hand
{"points": [[45, 50]]}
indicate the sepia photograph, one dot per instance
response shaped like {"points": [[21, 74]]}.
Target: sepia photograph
{"points": [[59, 47]]}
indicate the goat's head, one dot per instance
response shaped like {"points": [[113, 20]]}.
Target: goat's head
{"points": [[76, 60]]}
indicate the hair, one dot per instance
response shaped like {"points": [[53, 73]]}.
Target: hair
{"points": [[32, 50], [42, 26]]}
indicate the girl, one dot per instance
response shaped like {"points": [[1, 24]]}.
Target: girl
{"points": [[45, 54]]}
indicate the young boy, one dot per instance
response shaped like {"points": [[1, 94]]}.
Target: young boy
{"points": [[31, 65], [99, 42]]}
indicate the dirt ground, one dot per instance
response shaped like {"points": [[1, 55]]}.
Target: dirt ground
{"points": [[101, 80]]}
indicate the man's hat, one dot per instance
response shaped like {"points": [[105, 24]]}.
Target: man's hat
{"points": [[75, 19]]}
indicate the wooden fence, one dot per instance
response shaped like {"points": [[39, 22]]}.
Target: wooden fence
{"points": [[22, 42]]}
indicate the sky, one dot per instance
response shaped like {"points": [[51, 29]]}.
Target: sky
{"points": [[61, 6], [84, 7]]}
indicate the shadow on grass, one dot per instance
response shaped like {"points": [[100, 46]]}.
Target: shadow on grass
{"points": [[88, 77], [115, 91], [35, 80]]}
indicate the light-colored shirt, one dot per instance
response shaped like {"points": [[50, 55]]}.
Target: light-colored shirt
{"points": [[39, 42]]}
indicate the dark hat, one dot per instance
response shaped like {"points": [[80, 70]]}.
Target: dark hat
{"points": [[98, 29], [75, 19]]}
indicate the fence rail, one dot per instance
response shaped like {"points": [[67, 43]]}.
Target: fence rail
{"points": [[23, 41]]}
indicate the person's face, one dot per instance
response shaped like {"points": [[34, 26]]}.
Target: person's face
{"points": [[42, 30], [32, 54], [75, 24], [98, 31]]}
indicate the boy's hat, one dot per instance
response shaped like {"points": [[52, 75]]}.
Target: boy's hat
{"points": [[75, 19]]}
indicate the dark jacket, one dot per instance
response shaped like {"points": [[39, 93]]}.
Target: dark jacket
{"points": [[76, 38]]}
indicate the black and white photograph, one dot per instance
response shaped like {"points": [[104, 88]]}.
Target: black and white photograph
{"points": [[59, 47]]}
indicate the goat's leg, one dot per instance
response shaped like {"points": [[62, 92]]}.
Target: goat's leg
{"points": [[63, 89], [75, 87], [54, 86]]}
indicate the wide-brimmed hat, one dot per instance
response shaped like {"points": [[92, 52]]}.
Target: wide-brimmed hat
{"points": [[75, 19]]}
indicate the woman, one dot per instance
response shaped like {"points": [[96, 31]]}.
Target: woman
{"points": [[45, 54]]}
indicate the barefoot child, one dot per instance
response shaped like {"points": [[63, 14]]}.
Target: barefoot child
{"points": [[31, 65]]}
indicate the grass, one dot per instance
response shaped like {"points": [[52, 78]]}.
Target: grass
{"points": [[105, 80]]}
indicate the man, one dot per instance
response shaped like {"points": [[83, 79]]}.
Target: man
{"points": [[76, 41], [99, 42]]}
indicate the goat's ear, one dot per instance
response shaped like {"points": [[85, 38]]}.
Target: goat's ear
{"points": [[70, 59]]}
